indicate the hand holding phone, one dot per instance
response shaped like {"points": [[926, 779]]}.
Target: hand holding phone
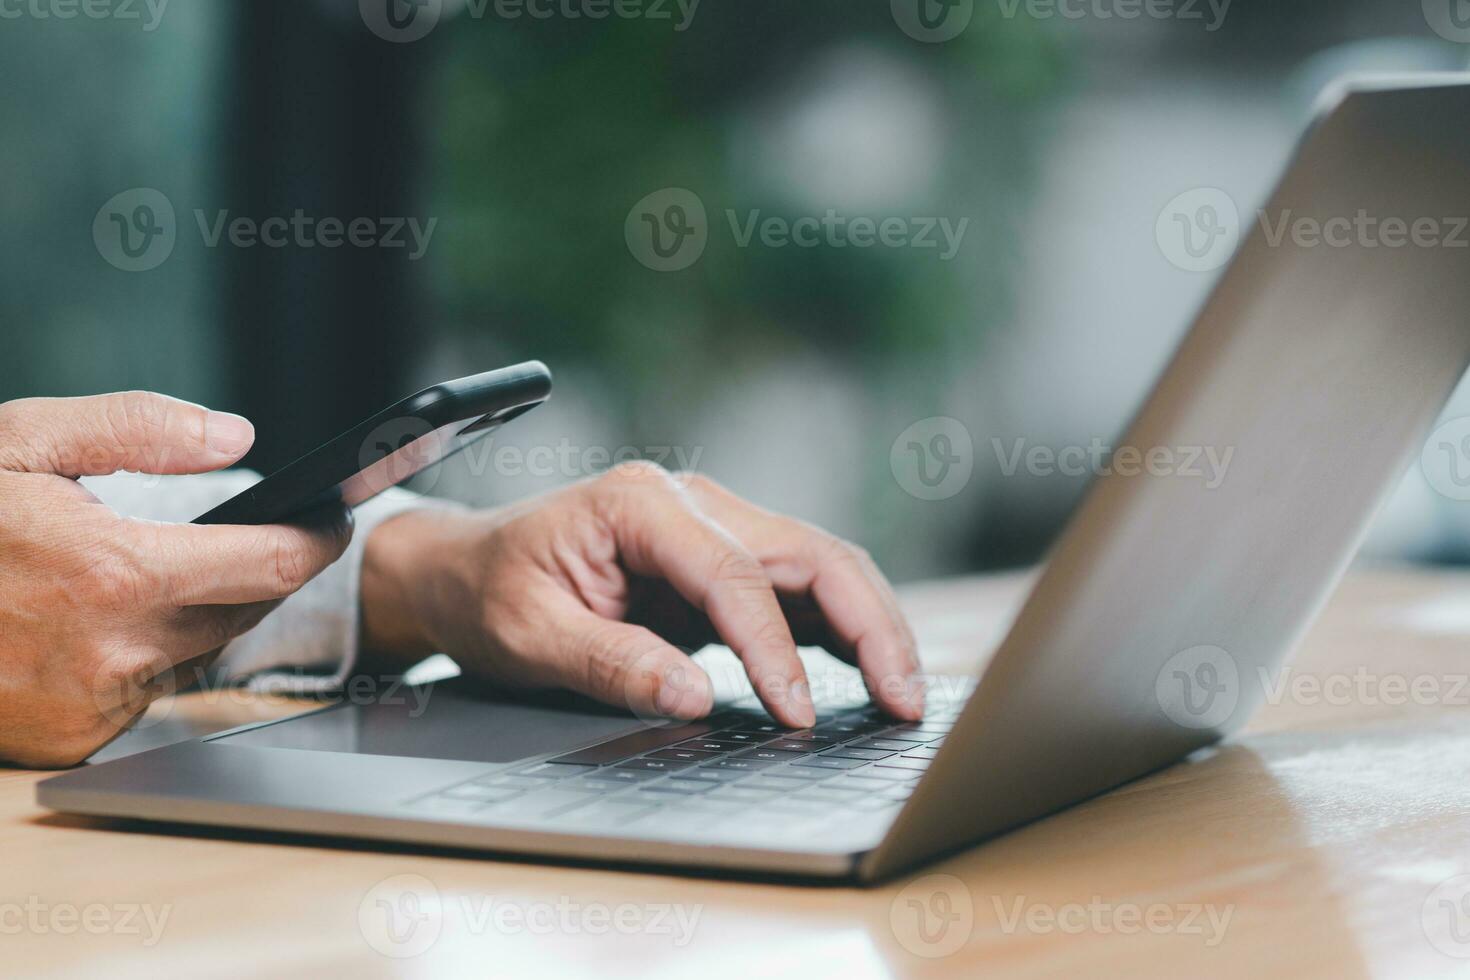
{"points": [[390, 447]]}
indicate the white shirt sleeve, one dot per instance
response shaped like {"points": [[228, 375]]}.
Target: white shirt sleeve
{"points": [[310, 643]]}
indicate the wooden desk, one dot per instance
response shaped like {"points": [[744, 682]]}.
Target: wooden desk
{"points": [[1323, 834]]}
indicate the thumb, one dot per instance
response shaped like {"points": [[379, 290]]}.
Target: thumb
{"points": [[626, 666], [135, 430]]}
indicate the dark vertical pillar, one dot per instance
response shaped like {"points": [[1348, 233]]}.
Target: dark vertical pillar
{"points": [[321, 122]]}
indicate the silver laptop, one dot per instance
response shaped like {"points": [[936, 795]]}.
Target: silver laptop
{"points": [[1319, 362]]}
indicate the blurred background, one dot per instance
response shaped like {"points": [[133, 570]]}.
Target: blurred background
{"points": [[515, 159]]}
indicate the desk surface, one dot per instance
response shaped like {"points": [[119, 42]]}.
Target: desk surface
{"points": [[1329, 839]]}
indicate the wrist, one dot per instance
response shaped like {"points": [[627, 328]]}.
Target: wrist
{"points": [[402, 559]]}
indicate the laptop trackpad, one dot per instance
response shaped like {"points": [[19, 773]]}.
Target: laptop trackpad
{"points": [[445, 721]]}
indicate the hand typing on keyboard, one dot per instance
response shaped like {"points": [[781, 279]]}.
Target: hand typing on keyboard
{"points": [[598, 587]]}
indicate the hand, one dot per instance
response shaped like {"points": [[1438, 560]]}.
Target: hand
{"points": [[591, 587], [99, 614]]}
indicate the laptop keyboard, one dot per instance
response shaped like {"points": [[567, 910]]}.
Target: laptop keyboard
{"points": [[735, 765]]}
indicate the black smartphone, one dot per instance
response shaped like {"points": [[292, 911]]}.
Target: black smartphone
{"points": [[390, 447]]}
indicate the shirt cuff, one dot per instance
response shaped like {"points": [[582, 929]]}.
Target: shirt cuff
{"points": [[309, 644]]}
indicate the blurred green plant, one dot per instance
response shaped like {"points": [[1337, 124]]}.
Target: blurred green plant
{"points": [[543, 134]]}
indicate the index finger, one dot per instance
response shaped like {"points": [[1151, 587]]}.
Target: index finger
{"points": [[225, 564], [659, 532], [855, 598]]}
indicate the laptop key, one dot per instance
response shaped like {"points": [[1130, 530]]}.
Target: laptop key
{"points": [[831, 793], [518, 782], [767, 727], [625, 776], [653, 765], [809, 736], [891, 744], [792, 774], [705, 775], [768, 754], [540, 803], [827, 762], [743, 738], [645, 740], [851, 752], [742, 792], [615, 812], [711, 745], [881, 770], [743, 765], [485, 794], [682, 755], [554, 770], [790, 745], [903, 762], [682, 787]]}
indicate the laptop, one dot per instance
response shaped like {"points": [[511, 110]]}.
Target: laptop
{"points": [[1320, 364]]}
